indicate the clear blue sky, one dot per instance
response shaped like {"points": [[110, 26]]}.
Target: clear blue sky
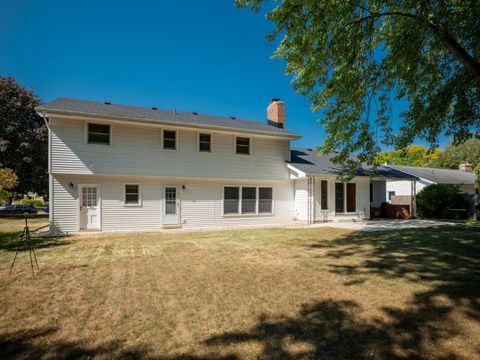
{"points": [[204, 56]]}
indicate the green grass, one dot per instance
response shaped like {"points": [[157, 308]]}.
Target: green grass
{"points": [[247, 294]]}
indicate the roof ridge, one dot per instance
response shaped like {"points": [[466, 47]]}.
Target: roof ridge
{"points": [[157, 109], [426, 167]]}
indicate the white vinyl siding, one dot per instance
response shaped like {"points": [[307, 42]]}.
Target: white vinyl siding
{"points": [[301, 199], [404, 187], [66, 207], [201, 204], [137, 150]]}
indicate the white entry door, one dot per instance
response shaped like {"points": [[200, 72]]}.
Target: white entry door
{"points": [[89, 209], [171, 205]]}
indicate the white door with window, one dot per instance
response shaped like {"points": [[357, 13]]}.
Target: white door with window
{"points": [[171, 205], [89, 209]]}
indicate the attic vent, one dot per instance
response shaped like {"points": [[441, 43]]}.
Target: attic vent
{"points": [[154, 108], [107, 103], [194, 113], [232, 117]]}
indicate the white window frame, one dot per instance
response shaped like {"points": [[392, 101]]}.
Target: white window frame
{"points": [[321, 194], [139, 203], [176, 139], [257, 193], [249, 145], [198, 142], [110, 142], [345, 199]]}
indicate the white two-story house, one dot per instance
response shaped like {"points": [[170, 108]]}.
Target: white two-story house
{"points": [[117, 168]]}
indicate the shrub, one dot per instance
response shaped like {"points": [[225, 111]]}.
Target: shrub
{"points": [[434, 201], [36, 203]]}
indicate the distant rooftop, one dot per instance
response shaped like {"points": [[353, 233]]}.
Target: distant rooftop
{"points": [[154, 115], [311, 162], [439, 176]]}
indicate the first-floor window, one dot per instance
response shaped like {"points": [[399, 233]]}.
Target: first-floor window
{"points": [[247, 200], [231, 200], [324, 194], [265, 200], [132, 194], [348, 202], [390, 194]]}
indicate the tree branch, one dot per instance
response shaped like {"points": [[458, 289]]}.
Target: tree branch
{"points": [[470, 63], [462, 55]]}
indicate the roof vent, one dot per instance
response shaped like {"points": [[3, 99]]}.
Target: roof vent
{"points": [[194, 113], [107, 103], [232, 117], [154, 108]]}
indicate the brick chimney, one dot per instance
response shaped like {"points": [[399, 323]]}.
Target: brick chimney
{"points": [[276, 113], [465, 166]]}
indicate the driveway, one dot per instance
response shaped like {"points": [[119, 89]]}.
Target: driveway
{"points": [[384, 224]]}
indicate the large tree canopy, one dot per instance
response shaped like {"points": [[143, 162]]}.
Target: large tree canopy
{"points": [[352, 59], [415, 155], [23, 137], [454, 155]]}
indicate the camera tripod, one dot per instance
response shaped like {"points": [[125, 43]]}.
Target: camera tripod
{"points": [[26, 242]]}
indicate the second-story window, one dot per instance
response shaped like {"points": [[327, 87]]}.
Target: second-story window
{"points": [[205, 142], [98, 134], [169, 139], [243, 146]]}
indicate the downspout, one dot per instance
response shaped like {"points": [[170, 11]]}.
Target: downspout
{"points": [[50, 177]]}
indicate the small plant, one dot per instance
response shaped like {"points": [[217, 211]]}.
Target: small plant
{"points": [[434, 201]]}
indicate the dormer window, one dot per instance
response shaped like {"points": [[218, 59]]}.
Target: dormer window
{"points": [[243, 145], [98, 134], [169, 139]]}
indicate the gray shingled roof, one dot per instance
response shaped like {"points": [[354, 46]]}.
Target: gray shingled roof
{"points": [[436, 175], [170, 117], [310, 162]]}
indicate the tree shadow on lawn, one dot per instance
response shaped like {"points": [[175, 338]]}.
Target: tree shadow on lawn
{"points": [[28, 345], [447, 260], [335, 330]]}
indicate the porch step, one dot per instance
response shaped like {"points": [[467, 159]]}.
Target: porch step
{"points": [[348, 220], [174, 226]]}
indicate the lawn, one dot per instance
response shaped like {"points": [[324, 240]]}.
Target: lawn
{"points": [[245, 294]]}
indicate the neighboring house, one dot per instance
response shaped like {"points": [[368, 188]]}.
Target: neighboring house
{"points": [[117, 167], [464, 178]]}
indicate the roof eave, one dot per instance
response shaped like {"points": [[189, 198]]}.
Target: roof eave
{"points": [[46, 110]]}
